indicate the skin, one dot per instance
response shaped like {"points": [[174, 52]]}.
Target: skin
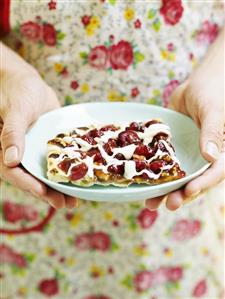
{"points": [[25, 96], [201, 97]]}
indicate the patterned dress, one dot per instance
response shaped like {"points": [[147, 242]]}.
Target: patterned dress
{"points": [[112, 50]]}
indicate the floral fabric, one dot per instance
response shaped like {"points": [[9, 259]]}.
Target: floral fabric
{"points": [[112, 50]]}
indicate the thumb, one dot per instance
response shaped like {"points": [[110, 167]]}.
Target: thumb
{"points": [[13, 137], [211, 140]]}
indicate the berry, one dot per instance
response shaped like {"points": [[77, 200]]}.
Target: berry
{"points": [[156, 166], [128, 137], [116, 169], [78, 171]]}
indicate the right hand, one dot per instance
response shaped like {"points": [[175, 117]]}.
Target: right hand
{"points": [[24, 97]]}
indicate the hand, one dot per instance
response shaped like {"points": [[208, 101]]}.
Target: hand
{"points": [[202, 98], [24, 97]]}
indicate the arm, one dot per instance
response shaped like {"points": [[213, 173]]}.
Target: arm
{"points": [[201, 97], [24, 97]]}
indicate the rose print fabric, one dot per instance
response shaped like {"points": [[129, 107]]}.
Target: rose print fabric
{"points": [[112, 50]]}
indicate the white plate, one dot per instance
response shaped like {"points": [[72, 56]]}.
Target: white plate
{"points": [[185, 138]]}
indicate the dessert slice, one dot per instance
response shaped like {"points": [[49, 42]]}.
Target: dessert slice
{"points": [[120, 155]]}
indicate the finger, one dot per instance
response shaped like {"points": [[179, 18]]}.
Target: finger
{"points": [[177, 101], [54, 198], [52, 100], [153, 203], [13, 137], [175, 200], [211, 177], [71, 202], [212, 126], [22, 180]]}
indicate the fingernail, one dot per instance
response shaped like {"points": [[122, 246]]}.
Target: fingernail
{"points": [[11, 155], [212, 150], [195, 194]]}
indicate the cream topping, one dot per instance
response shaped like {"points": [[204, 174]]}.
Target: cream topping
{"points": [[128, 151]]}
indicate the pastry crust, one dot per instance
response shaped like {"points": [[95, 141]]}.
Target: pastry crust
{"points": [[119, 155]]}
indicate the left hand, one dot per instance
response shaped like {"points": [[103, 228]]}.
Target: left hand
{"points": [[202, 98]]}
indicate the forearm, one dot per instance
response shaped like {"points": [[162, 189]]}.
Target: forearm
{"points": [[213, 61]]}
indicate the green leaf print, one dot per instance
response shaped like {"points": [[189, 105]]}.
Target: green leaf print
{"points": [[153, 101], [115, 246], [60, 35], [152, 13], [30, 257], [112, 2], [128, 281], [132, 222], [156, 25], [173, 286], [138, 57], [68, 100], [84, 55]]}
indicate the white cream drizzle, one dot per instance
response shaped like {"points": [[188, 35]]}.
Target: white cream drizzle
{"points": [[127, 151], [153, 130]]}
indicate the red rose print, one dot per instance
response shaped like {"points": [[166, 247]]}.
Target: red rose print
{"points": [[49, 287], [52, 5], [121, 55], [98, 57], [135, 92], [9, 256], [168, 90], [49, 35], [165, 274], [97, 297], [86, 20], [207, 33], [137, 24], [100, 241], [172, 11], [185, 229], [83, 241], [14, 212], [170, 47], [174, 273], [143, 281], [200, 289], [31, 30], [146, 218]]}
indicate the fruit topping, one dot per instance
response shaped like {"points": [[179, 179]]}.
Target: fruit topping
{"points": [[78, 171], [128, 137]]}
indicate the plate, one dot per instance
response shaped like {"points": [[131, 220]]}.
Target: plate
{"points": [[185, 138]]}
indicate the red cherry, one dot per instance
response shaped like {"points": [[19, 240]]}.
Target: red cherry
{"points": [[140, 165], [135, 127], [116, 169], [145, 176], [109, 146], [97, 155], [89, 139], [119, 156], [152, 122], [78, 171], [108, 128], [144, 150], [128, 137], [156, 166], [95, 133], [65, 165]]}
